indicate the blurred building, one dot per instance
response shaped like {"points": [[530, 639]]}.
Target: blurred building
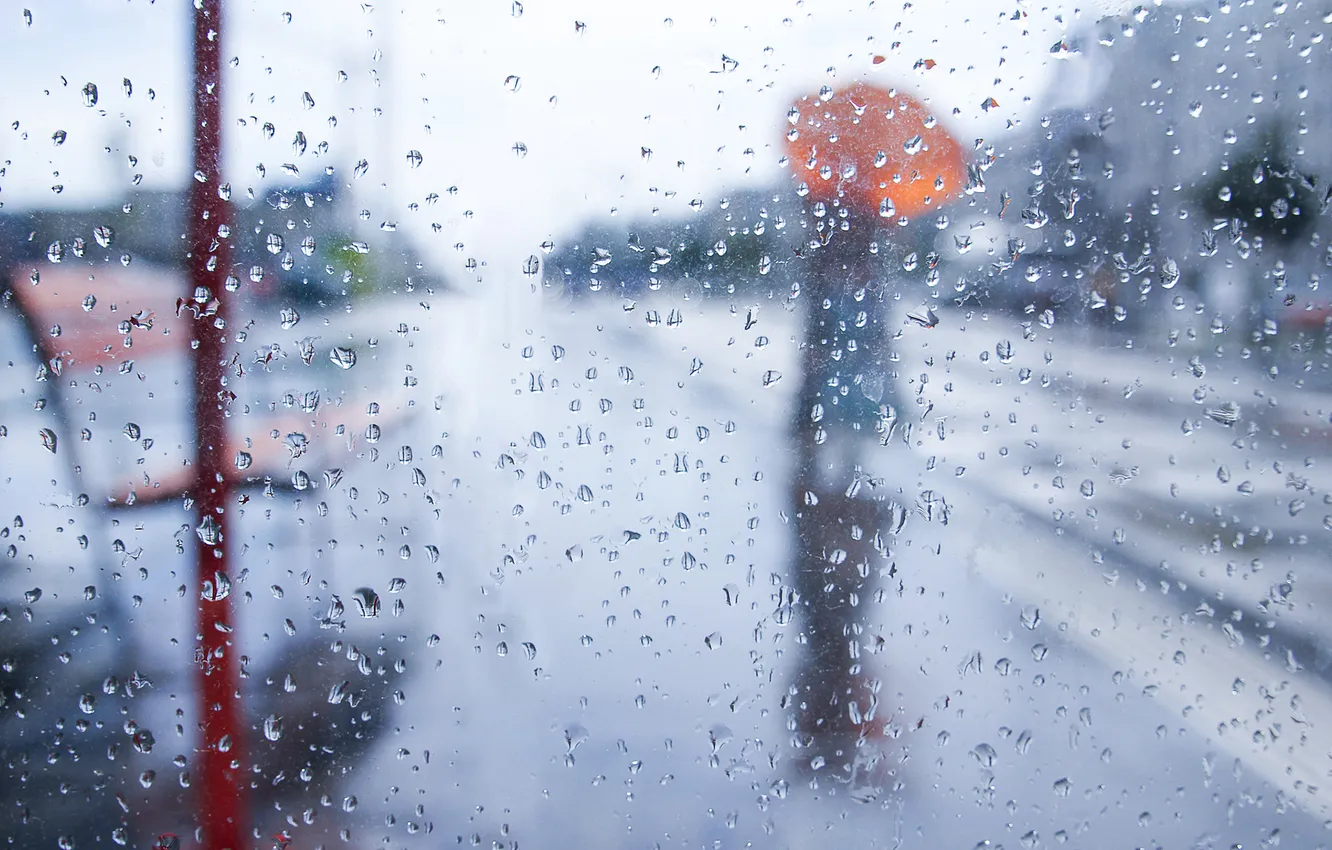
{"points": [[1185, 147]]}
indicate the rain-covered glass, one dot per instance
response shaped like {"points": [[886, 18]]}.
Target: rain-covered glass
{"points": [[677, 424]]}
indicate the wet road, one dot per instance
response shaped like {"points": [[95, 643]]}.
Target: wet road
{"points": [[1099, 622], [1084, 632]]}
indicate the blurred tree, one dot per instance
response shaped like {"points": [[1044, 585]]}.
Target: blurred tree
{"points": [[1264, 190]]}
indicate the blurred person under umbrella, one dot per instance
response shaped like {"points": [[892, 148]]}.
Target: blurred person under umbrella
{"points": [[867, 160]]}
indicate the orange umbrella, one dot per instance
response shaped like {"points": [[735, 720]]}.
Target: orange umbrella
{"points": [[878, 150]]}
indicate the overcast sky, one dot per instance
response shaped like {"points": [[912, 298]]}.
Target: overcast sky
{"points": [[584, 86]]}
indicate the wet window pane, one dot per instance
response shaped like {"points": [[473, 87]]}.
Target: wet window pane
{"points": [[665, 425]]}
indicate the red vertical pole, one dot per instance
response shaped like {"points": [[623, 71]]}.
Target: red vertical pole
{"points": [[220, 799]]}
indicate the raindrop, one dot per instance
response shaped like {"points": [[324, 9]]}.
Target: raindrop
{"points": [[414, 158], [1169, 273], [1023, 742], [985, 755], [1226, 414], [342, 357], [272, 727], [90, 94], [143, 741], [367, 602], [216, 588], [209, 531], [48, 439]]}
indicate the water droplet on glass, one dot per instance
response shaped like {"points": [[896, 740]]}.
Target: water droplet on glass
{"points": [[1226, 414], [1031, 617], [342, 357], [984, 755], [414, 158], [48, 439], [209, 531], [89, 94], [1023, 743], [288, 318], [104, 235], [367, 602], [1169, 273], [273, 727]]}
